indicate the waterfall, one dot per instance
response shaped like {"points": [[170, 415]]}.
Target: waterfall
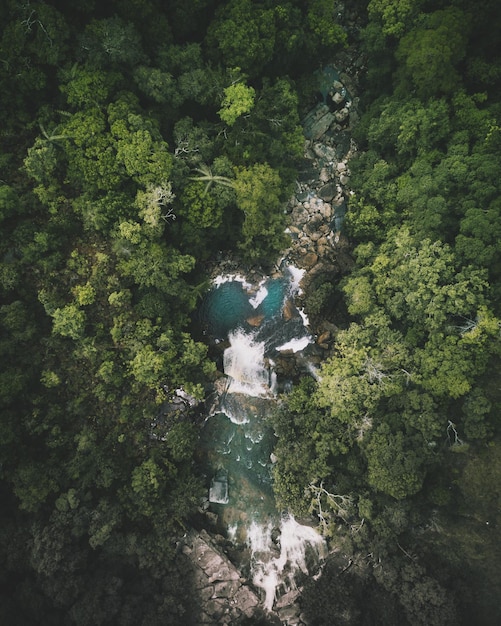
{"points": [[245, 367], [251, 381], [280, 548], [271, 568]]}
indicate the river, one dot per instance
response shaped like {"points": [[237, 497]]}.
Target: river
{"points": [[237, 440]]}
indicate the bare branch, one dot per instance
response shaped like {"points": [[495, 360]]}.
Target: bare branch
{"points": [[451, 430], [339, 504], [412, 557]]}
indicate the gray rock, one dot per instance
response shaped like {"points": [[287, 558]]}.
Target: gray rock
{"points": [[302, 196], [337, 98], [226, 589], [317, 122], [246, 599], [342, 115], [324, 152], [205, 619], [327, 192], [289, 613], [287, 599], [300, 215], [314, 223], [215, 608], [325, 175], [206, 593], [325, 210]]}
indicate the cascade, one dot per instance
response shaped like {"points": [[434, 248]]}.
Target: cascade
{"points": [[244, 365], [296, 543], [238, 437]]}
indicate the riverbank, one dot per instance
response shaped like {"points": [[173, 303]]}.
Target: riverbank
{"points": [[319, 248]]}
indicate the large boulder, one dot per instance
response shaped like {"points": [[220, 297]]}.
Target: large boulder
{"points": [[318, 122]]}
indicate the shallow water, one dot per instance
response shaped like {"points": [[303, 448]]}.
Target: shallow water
{"points": [[237, 437]]}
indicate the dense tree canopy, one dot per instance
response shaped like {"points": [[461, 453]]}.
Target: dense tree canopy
{"points": [[141, 139]]}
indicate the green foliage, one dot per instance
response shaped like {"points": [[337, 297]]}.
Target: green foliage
{"points": [[395, 462], [111, 42], [119, 183], [395, 16], [238, 99], [69, 321], [321, 19], [244, 33], [259, 196], [431, 51]]}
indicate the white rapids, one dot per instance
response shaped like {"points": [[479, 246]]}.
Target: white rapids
{"points": [[299, 546]]}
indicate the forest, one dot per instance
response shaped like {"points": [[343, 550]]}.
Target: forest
{"points": [[142, 139]]}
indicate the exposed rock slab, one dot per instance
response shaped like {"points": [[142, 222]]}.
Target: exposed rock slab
{"points": [[225, 597]]}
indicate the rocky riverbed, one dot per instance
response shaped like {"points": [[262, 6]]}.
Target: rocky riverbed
{"points": [[318, 246]]}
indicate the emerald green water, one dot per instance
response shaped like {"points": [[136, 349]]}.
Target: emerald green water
{"points": [[228, 306], [237, 439]]}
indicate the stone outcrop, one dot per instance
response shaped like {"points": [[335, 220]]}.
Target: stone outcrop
{"points": [[224, 596], [318, 245], [318, 207]]}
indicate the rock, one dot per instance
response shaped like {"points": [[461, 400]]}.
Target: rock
{"points": [[325, 175], [344, 179], [211, 517], [341, 167], [289, 311], [317, 122], [325, 210], [337, 97], [324, 337], [289, 614], [300, 215], [342, 115], [215, 608], [315, 236], [206, 593], [323, 251], [327, 192], [309, 260], [245, 599], [205, 619], [226, 589], [324, 152], [313, 224], [273, 458], [287, 599], [255, 320]]}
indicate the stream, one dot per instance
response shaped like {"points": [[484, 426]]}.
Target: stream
{"points": [[237, 440]]}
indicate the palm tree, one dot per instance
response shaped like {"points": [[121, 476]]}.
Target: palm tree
{"points": [[207, 175]]}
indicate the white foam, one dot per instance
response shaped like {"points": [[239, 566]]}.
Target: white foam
{"points": [[304, 317], [296, 277], [296, 344], [270, 570], [243, 363], [228, 278], [260, 295]]}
